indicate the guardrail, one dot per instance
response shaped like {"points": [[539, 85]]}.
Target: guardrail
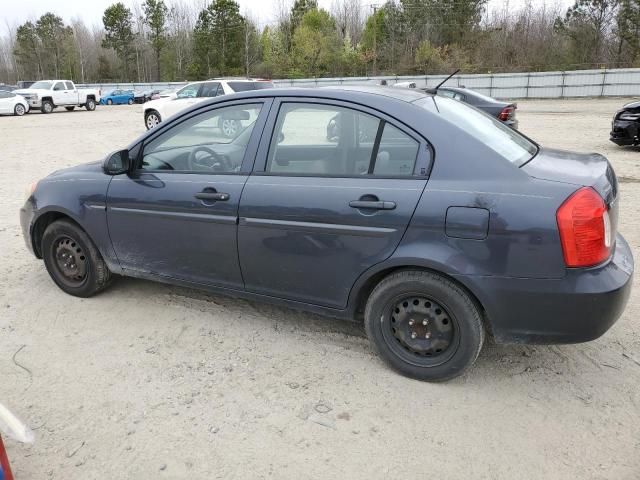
{"points": [[560, 84]]}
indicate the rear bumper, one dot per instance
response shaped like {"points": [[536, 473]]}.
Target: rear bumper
{"points": [[625, 133], [580, 307]]}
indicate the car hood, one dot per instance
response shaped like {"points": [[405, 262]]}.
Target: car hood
{"points": [[30, 90], [631, 105], [91, 167]]}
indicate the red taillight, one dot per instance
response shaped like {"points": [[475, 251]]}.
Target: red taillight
{"points": [[506, 113], [585, 229]]}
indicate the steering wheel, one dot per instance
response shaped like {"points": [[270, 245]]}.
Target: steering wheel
{"points": [[212, 161]]}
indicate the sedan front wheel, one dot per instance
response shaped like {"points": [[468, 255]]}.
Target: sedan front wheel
{"points": [[72, 260], [152, 119], [424, 325]]}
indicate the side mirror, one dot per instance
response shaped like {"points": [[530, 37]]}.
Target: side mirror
{"points": [[117, 163]]}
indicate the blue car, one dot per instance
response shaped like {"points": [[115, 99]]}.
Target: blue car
{"points": [[118, 97], [429, 221]]}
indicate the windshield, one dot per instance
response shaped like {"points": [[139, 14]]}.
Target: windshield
{"points": [[494, 134], [41, 85]]}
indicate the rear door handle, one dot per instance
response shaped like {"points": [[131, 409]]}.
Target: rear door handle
{"points": [[372, 205], [215, 196]]}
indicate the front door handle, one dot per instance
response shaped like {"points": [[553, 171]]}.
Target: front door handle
{"points": [[215, 196], [372, 205]]}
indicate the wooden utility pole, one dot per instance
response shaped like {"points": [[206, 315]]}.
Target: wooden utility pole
{"points": [[375, 39]]}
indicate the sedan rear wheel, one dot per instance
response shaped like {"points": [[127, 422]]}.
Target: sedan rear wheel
{"points": [[19, 110], [72, 260], [152, 119], [424, 325]]}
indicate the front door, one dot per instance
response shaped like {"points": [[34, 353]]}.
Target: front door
{"points": [[176, 214], [58, 94], [335, 194]]}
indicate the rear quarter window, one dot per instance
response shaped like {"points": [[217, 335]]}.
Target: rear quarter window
{"points": [[500, 138]]}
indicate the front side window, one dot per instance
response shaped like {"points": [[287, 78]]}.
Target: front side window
{"points": [[190, 91], [210, 89], [203, 143], [315, 140], [503, 140], [59, 86]]}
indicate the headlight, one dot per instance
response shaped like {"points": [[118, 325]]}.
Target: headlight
{"points": [[29, 190], [629, 116]]}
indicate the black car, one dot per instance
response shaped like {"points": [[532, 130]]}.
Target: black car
{"points": [[144, 96], [625, 128], [503, 111]]}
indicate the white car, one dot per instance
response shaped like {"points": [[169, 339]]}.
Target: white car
{"points": [[158, 110], [13, 104]]}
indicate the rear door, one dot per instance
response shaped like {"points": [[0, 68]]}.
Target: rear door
{"points": [[332, 194], [176, 214]]}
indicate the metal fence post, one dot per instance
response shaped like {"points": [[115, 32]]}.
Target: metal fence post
{"points": [[491, 85], [528, 82], [562, 86], [604, 81]]}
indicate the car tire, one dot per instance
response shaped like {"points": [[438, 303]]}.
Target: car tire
{"points": [[72, 260], [109, 101], [19, 110], [70, 109], [90, 105], [424, 325], [47, 106], [130, 101], [152, 119]]}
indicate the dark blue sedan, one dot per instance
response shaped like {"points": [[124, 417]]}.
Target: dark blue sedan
{"points": [[431, 221], [118, 97]]}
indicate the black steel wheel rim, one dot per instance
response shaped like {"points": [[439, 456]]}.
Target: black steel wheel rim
{"points": [[70, 261], [420, 330]]}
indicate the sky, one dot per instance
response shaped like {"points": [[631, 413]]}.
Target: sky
{"points": [[15, 12]]}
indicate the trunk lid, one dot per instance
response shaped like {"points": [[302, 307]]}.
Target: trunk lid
{"points": [[580, 169]]}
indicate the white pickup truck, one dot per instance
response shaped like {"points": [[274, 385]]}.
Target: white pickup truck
{"points": [[49, 94]]}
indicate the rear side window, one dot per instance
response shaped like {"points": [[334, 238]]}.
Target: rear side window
{"points": [[326, 140], [503, 140], [69, 85], [247, 86], [210, 89]]}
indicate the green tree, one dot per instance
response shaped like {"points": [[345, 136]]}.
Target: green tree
{"points": [[155, 16], [219, 38], [118, 26], [28, 51], [628, 23], [587, 24], [429, 58], [53, 35], [315, 44], [299, 9]]}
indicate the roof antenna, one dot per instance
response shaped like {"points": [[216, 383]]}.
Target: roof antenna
{"points": [[434, 91]]}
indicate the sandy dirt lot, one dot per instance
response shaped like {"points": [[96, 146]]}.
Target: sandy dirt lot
{"points": [[150, 381]]}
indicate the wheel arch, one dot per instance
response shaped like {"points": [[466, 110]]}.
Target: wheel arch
{"points": [[367, 282], [41, 223]]}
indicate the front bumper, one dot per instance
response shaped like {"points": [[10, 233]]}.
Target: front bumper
{"points": [[26, 222], [580, 307], [625, 132]]}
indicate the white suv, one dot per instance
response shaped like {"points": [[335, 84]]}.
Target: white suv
{"points": [[158, 110]]}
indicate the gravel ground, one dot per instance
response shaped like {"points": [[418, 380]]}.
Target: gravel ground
{"points": [[153, 381]]}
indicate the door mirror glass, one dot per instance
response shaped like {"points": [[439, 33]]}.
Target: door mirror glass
{"points": [[116, 163]]}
